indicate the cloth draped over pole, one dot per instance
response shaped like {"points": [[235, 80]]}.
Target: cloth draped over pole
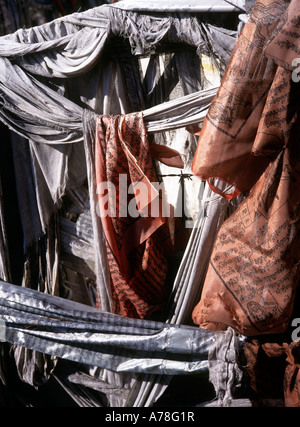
{"points": [[85, 334], [57, 76], [190, 6], [136, 246]]}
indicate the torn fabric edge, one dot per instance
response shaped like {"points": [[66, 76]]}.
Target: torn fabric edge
{"points": [[83, 334], [151, 391], [68, 47], [181, 112]]}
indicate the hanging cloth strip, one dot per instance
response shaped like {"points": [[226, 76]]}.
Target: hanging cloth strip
{"points": [[190, 6], [136, 240], [251, 134], [83, 334], [59, 50], [137, 237]]}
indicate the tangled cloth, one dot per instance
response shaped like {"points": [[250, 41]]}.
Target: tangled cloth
{"points": [[250, 140]]}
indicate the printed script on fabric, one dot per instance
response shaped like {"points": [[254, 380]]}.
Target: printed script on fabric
{"points": [[231, 134], [255, 252], [134, 244], [254, 269]]}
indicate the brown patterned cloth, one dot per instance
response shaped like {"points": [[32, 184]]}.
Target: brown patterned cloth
{"points": [[136, 245], [273, 369], [250, 139]]}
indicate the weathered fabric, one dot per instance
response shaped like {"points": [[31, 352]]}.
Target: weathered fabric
{"points": [[16, 14], [225, 372], [273, 368], [191, 273], [136, 245], [84, 334], [189, 6], [250, 137], [4, 258], [69, 48], [53, 74]]}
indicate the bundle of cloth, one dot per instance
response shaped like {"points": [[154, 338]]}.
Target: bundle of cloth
{"points": [[250, 139]]}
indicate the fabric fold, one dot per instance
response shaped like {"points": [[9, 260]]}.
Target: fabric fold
{"points": [[129, 205], [51, 75], [89, 336], [253, 143]]}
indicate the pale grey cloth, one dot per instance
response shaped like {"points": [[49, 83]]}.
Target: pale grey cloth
{"points": [[83, 334], [225, 371], [51, 76], [188, 6], [40, 107]]}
